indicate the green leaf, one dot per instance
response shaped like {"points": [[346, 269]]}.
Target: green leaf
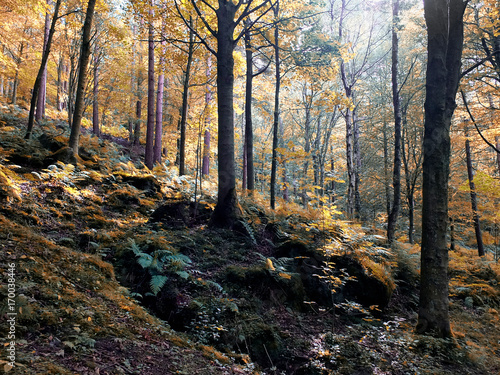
{"points": [[157, 282]]}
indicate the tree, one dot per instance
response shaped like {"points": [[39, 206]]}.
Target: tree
{"points": [[396, 180], [225, 213], [276, 117], [43, 64], [40, 108], [150, 125], [473, 198], [82, 78], [444, 19], [185, 97]]}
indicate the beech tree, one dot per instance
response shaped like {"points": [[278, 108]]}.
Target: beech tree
{"points": [[396, 180], [43, 64], [82, 78], [229, 16], [444, 20]]}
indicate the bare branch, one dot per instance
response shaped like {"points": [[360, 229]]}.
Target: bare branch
{"points": [[186, 22], [475, 124]]}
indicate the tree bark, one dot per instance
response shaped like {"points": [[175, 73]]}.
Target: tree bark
{"points": [[396, 179], [473, 200], [444, 19], [205, 169], [497, 140], [38, 80], [225, 214], [159, 110], [95, 99], [40, 108], [185, 104], [150, 125], [82, 78], [250, 172], [274, 160]]}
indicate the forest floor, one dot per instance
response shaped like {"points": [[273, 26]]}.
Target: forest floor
{"points": [[117, 272]]}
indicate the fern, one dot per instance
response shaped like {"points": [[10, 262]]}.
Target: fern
{"points": [[158, 262], [157, 282], [249, 231]]}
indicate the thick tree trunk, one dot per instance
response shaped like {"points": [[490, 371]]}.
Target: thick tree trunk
{"points": [[40, 108], [150, 125], [473, 200], [82, 78], [444, 19], [225, 213], [38, 80], [396, 179], [250, 172], [274, 160]]}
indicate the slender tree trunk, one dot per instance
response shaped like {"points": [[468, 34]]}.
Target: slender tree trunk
{"points": [[82, 78], [40, 108], [150, 126], [274, 161], [15, 85], [95, 99], [38, 80], [473, 200], [159, 110], [138, 105], [205, 169], [59, 83], [444, 19], [497, 140], [250, 173], [357, 164], [386, 172], [185, 104], [396, 179]]}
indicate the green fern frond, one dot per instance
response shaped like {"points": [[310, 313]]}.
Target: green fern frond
{"points": [[249, 231], [157, 282]]}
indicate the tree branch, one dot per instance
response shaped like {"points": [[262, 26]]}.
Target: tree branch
{"points": [[475, 124]]}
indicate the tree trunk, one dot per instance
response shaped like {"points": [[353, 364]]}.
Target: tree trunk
{"points": [[95, 99], [60, 89], [225, 214], [38, 80], [150, 125], [473, 200], [444, 19], [40, 108], [497, 140], [274, 160], [205, 168], [159, 110], [396, 179], [82, 79], [357, 164], [250, 172], [184, 109], [386, 172]]}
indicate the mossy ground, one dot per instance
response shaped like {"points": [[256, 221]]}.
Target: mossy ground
{"points": [[240, 308]]}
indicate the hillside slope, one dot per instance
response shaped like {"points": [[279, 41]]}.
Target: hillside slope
{"points": [[103, 248]]}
